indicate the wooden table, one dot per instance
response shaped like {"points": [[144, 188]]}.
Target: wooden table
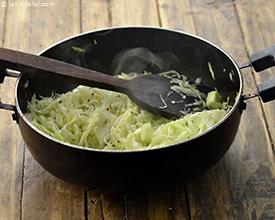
{"points": [[241, 186]]}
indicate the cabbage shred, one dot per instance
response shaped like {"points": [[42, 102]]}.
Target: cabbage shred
{"points": [[102, 119]]}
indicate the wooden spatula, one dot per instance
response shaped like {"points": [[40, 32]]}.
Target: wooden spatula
{"points": [[149, 91]]}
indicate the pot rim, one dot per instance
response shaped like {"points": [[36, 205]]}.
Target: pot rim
{"points": [[228, 114]]}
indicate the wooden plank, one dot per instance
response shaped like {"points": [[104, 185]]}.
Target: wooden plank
{"points": [[99, 206], [105, 207], [165, 205], [95, 14], [259, 33], [134, 12], [45, 197], [11, 156], [241, 186], [31, 29], [11, 160], [177, 15], [94, 205], [2, 21], [168, 205]]}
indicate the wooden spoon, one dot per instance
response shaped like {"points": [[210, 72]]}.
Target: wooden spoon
{"points": [[148, 91]]}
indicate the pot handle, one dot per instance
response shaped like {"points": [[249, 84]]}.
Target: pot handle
{"points": [[3, 73], [9, 107], [263, 59], [260, 61]]}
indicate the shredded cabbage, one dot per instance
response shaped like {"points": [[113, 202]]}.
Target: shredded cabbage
{"points": [[102, 119]]}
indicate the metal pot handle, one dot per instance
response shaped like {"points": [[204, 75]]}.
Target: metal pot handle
{"points": [[9, 107], [260, 61]]}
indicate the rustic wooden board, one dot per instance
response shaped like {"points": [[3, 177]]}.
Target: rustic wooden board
{"points": [[11, 156], [105, 207], [31, 29], [241, 185], [259, 32], [11, 160], [176, 15], [163, 205], [2, 21], [166, 205], [134, 12], [95, 14]]}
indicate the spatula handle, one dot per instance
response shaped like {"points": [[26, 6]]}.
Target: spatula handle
{"points": [[29, 63]]}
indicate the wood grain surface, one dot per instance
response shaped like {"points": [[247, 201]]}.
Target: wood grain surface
{"points": [[241, 186], [259, 33], [30, 29], [11, 146], [177, 15], [134, 12], [156, 206]]}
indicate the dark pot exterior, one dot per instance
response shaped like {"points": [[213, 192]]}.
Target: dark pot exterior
{"points": [[130, 170]]}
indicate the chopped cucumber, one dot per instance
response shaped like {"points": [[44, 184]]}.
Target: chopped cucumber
{"points": [[214, 100]]}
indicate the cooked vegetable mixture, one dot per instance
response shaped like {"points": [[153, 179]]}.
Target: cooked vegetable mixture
{"points": [[102, 119]]}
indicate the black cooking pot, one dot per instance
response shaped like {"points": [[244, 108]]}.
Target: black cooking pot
{"points": [[103, 50]]}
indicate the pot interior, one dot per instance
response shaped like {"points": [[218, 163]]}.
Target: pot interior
{"points": [[128, 50]]}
